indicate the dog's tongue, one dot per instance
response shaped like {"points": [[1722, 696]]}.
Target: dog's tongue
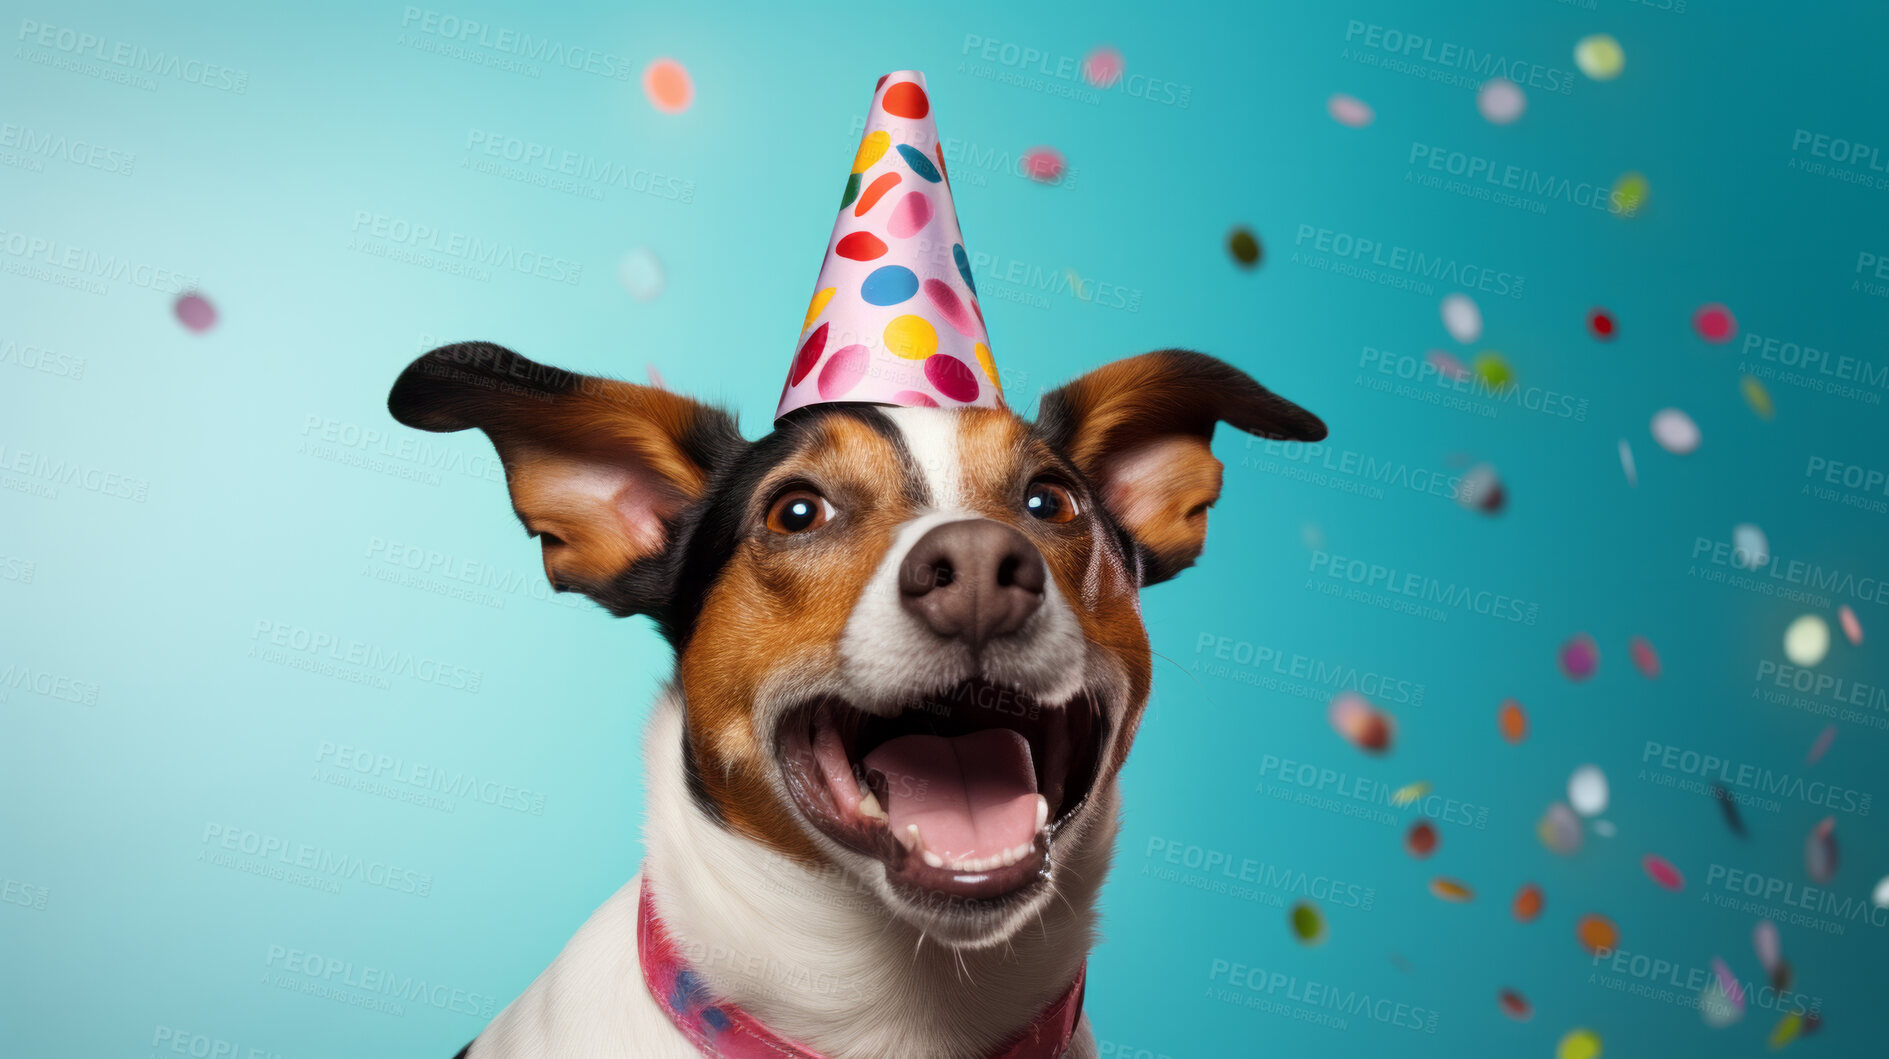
{"points": [[972, 796]]}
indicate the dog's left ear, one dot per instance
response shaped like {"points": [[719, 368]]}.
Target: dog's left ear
{"points": [[1139, 430]]}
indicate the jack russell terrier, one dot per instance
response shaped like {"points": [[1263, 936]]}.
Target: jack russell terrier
{"points": [[882, 785]]}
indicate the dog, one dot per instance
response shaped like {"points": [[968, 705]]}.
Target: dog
{"points": [[910, 662]]}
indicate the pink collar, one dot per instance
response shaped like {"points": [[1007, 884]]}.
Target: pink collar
{"points": [[721, 1030]]}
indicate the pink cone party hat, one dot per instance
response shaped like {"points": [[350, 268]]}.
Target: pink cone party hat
{"points": [[894, 317]]}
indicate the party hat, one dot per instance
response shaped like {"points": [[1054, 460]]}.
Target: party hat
{"points": [[894, 317]]}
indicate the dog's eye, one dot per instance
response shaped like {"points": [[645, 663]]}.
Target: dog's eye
{"points": [[798, 511], [1049, 502]]}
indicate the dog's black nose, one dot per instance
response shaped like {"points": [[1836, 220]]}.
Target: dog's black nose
{"points": [[973, 580]]}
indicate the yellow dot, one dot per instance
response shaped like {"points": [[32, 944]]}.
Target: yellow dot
{"points": [[871, 149], [990, 366], [911, 337], [1600, 57], [1758, 398], [1579, 1044], [1630, 193], [1493, 370], [820, 298]]}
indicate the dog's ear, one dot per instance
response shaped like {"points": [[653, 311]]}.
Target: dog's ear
{"points": [[1139, 430], [600, 469]]}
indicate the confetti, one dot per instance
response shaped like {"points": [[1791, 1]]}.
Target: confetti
{"points": [[1881, 895], [1626, 464], [1312, 536], [1750, 549], [1515, 1005], [666, 83], [1409, 792], [1782, 976], [1578, 1044], [1629, 193], [1757, 397], [194, 311], [1420, 840], [1244, 246], [1722, 1001], [655, 377], [1601, 324], [1764, 941], [1493, 369], [1806, 641], [1462, 318], [1597, 934], [1560, 830], [1043, 164], [1785, 1031], [1580, 657], [1820, 851], [641, 274], [1675, 431], [1450, 890], [1527, 904], [1308, 923], [1587, 790], [1715, 323], [1361, 724], [1349, 110], [1103, 67], [1852, 628], [1512, 721], [1501, 101], [1600, 56], [1645, 659], [1481, 490], [1729, 806], [1822, 746], [1661, 871], [1448, 366], [1604, 828]]}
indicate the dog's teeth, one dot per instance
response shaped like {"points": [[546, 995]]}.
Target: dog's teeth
{"points": [[911, 838], [870, 808], [931, 858], [1042, 811]]}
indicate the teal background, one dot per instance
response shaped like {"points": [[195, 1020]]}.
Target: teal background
{"points": [[276, 489]]}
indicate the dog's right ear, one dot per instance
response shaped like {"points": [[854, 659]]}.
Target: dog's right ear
{"points": [[600, 469]]}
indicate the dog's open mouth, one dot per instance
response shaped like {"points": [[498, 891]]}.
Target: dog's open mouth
{"points": [[960, 793]]}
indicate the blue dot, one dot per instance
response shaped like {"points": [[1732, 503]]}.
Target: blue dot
{"points": [[717, 1019], [964, 265], [889, 285], [919, 163]]}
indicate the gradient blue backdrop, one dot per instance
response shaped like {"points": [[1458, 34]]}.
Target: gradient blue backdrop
{"points": [[175, 503]]}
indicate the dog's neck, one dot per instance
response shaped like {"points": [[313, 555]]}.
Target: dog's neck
{"points": [[814, 954]]}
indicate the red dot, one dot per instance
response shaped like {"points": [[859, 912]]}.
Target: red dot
{"points": [[906, 100], [809, 356], [1601, 323], [860, 246], [1714, 323]]}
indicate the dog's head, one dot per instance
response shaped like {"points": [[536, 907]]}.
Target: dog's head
{"points": [[909, 641]]}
